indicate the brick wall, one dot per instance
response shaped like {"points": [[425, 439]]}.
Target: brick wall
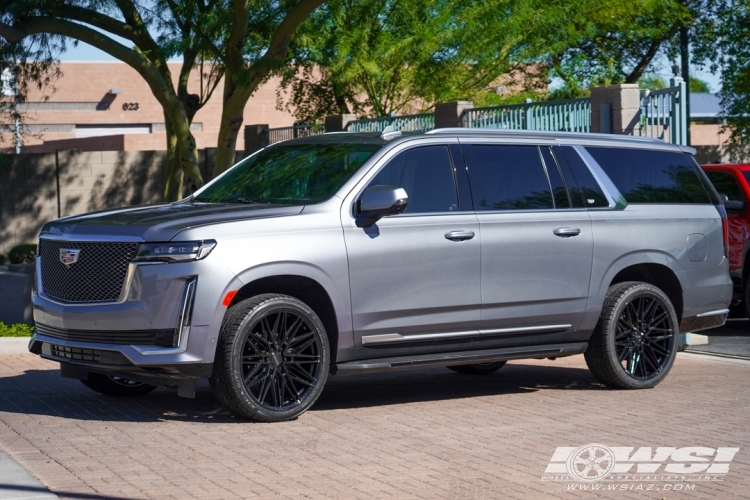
{"points": [[88, 181], [81, 98]]}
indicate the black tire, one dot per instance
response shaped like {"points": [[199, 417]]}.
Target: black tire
{"points": [[478, 368], [635, 341], [272, 358], [116, 386], [746, 297]]}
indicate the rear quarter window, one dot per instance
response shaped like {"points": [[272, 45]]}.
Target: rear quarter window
{"points": [[648, 176]]}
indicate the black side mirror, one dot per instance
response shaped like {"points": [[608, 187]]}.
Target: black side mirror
{"points": [[380, 201], [733, 205]]}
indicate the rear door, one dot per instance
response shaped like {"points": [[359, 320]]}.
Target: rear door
{"points": [[537, 245]]}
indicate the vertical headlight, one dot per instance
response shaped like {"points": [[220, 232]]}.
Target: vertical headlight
{"points": [[179, 251]]}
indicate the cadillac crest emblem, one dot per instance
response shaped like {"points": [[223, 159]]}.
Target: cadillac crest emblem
{"points": [[69, 256]]}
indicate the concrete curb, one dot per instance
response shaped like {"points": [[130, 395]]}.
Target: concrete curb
{"points": [[715, 358], [14, 345], [19, 484]]}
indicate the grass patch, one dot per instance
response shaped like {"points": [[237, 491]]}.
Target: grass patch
{"points": [[17, 330]]}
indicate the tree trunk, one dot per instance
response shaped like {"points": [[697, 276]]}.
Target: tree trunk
{"points": [[182, 159], [173, 172], [231, 122]]}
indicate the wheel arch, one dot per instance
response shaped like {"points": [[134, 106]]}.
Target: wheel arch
{"points": [[304, 288], [655, 274]]}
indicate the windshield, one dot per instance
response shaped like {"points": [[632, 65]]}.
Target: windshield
{"points": [[289, 174]]}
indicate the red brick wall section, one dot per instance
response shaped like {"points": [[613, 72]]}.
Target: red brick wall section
{"points": [[90, 82]]}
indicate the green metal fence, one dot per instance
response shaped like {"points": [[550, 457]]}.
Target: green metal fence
{"points": [[664, 113], [274, 135], [405, 123], [663, 116], [567, 115]]}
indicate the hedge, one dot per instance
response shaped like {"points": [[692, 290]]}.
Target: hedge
{"points": [[22, 254], [17, 330]]}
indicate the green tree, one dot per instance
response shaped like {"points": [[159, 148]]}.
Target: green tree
{"points": [[699, 86], [98, 23], [655, 82], [725, 33], [24, 66], [589, 42], [240, 40], [652, 82], [377, 57]]}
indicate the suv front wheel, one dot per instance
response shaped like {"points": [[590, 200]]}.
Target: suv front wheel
{"points": [[635, 342], [272, 359]]}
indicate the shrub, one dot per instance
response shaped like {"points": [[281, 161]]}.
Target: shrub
{"points": [[17, 330], [2, 259], [22, 254]]}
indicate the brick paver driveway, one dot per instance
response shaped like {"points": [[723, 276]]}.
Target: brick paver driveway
{"points": [[421, 434]]}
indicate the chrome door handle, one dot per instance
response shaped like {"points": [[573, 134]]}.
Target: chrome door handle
{"points": [[567, 232], [459, 235]]}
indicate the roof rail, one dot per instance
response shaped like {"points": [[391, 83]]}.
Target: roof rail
{"points": [[542, 133]]}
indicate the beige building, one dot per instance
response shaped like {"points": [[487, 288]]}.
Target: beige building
{"points": [[108, 106]]}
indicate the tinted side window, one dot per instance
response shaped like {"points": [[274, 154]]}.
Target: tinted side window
{"points": [[726, 183], [508, 178], [645, 176], [585, 192], [426, 174], [559, 190]]}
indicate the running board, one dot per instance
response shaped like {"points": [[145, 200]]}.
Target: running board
{"points": [[458, 358]]}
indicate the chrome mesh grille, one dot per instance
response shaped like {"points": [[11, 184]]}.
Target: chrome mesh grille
{"points": [[98, 276]]}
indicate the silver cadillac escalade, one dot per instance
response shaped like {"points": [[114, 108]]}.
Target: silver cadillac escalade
{"points": [[353, 253]]}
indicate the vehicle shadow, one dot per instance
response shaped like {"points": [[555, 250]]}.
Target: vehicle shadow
{"points": [[44, 392], [435, 384]]}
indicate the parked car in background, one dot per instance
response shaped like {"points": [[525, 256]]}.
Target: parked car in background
{"points": [[732, 181]]}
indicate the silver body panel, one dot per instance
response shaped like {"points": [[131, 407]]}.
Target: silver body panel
{"points": [[401, 287]]}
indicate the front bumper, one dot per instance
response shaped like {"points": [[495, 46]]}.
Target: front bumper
{"points": [[78, 359], [151, 308]]}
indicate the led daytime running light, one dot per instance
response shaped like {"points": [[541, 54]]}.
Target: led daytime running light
{"points": [[179, 251]]}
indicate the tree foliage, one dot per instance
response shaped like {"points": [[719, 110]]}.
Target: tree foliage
{"points": [[25, 65], [656, 82], [590, 43], [100, 23], [378, 57], [240, 40], [725, 31]]}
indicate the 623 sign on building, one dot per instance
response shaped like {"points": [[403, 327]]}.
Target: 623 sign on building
{"points": [[130, 106]]}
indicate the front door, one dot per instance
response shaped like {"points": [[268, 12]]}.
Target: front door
{"points": [[414, 277]]}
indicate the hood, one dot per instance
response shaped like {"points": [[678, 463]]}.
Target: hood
{"points": [[162, 222]]}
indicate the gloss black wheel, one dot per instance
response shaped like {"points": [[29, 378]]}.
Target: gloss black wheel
{"points": [[635, 341], [478, 368], [272, 359], [116, 386]]}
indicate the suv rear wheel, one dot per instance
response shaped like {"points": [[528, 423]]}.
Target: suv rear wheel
{"points": [[635, 342], [272, 359], [478, 368]]}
